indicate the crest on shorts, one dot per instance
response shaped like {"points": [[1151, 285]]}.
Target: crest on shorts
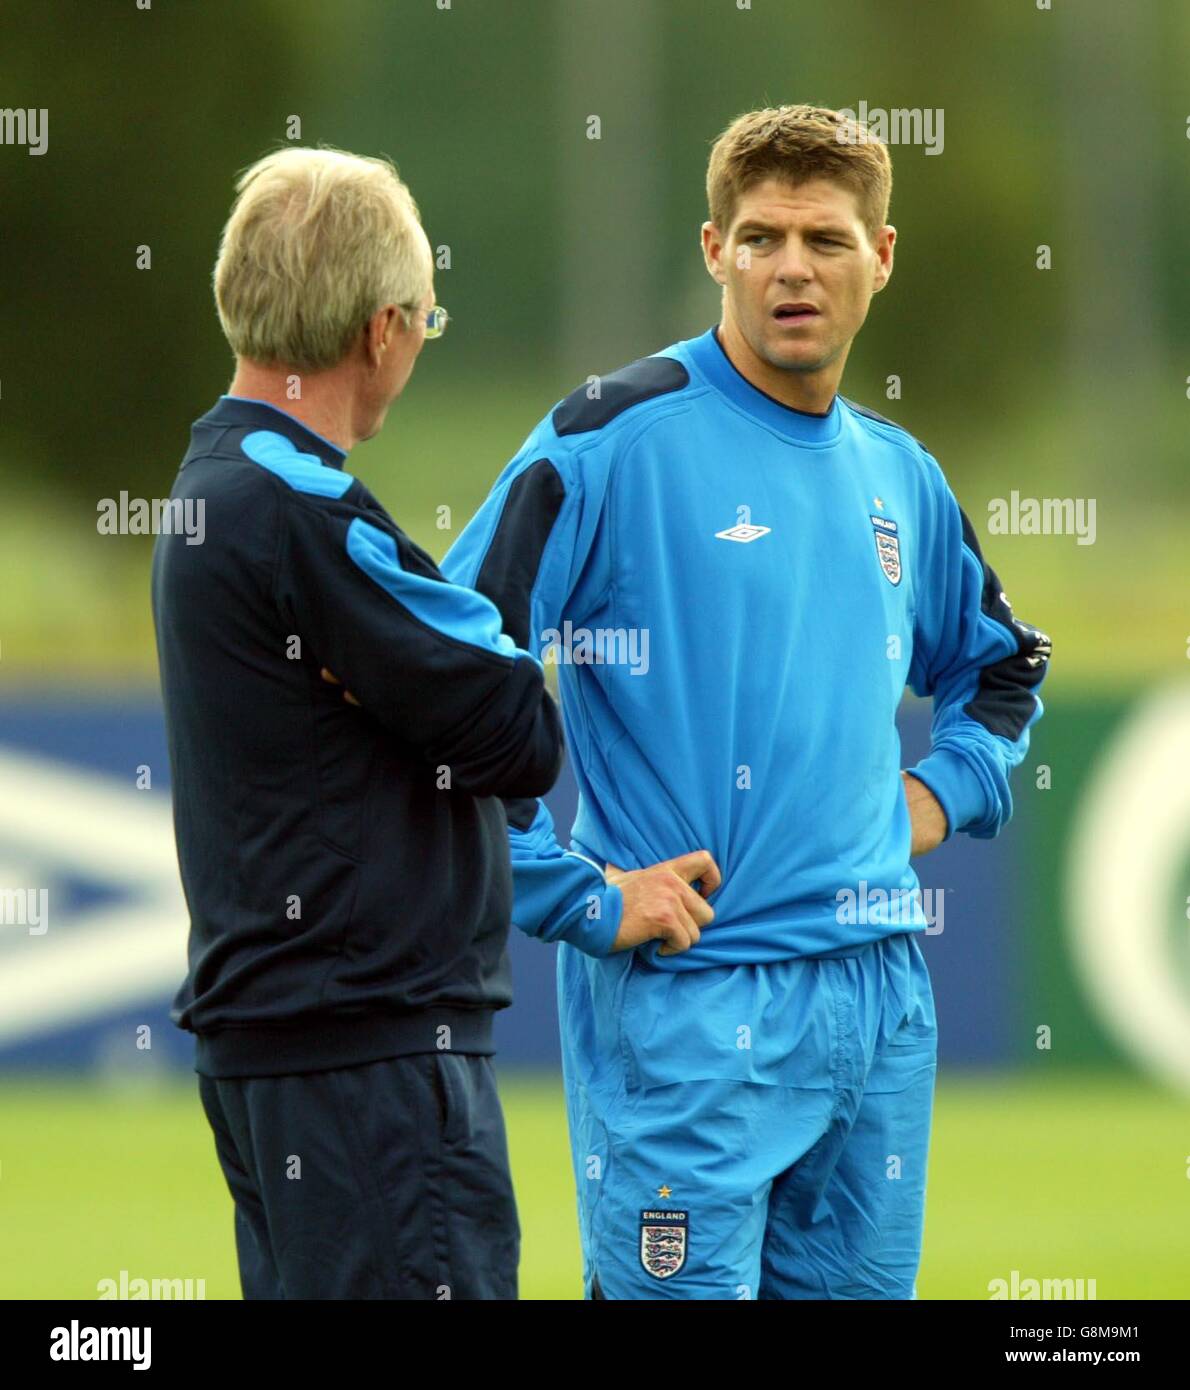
{"points": [[663, 1241], [888, 547]]}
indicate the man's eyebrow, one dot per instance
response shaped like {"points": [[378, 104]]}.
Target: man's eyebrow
{"points": [[756, 224]]}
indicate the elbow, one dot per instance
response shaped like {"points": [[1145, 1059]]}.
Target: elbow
{"points": [[531, 772], [541, 774], [541, 757], [527, 765]]}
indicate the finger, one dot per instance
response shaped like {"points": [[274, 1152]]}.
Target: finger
{"points": [[710, 878], [680, 935], [701, 912], [330, 678], [665, 949], [698, 864], [350, 698]]}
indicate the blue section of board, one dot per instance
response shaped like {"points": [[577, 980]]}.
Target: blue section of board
{"points": [[975, 961]]}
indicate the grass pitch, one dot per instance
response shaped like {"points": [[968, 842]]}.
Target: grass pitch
{"points": [[1080, 1176]]}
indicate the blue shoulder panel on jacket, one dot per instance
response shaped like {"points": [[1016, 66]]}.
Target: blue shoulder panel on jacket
{"points": [[303, 472], [629, 386], [450, 609]]}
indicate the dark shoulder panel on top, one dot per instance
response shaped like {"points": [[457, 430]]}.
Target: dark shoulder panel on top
{"points": [[1006, 698], [630, 385], [880, 419], [871, 414], [510, 567]]}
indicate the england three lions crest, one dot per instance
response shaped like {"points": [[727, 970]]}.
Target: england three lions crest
{"points": [[888, 547], [663, 1242]]}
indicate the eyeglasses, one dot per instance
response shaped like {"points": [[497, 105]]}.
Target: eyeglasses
{"points": [[436, 319]]}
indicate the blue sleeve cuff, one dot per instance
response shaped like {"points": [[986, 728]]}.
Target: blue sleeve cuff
{"points": [[595, 935], [957, 786]]}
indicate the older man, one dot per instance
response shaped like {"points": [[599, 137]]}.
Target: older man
{"points": [[344, 859]]}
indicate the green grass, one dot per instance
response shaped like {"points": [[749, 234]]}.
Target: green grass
{"points": [[1082, 1176], [1079, 1177]]}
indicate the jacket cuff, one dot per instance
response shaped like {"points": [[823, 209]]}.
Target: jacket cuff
{"points": [[595, 935], [957, 786]]}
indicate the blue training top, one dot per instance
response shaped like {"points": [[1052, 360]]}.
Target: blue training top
{"points": [[737, 594]]}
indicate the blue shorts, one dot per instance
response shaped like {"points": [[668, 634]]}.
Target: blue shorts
{"points": [[750, 1131]]}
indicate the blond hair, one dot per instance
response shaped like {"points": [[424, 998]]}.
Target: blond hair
{"points": [[317, 242], [796, 143]]}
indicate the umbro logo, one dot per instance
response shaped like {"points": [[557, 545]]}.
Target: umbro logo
{"points": [[743, 533]]}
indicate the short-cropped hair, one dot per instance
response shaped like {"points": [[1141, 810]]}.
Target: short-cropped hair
{"points": [[318, 240], [795, 144]]}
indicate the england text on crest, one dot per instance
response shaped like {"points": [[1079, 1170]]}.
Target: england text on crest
{"points": [[663, 1241], [888, 547]]}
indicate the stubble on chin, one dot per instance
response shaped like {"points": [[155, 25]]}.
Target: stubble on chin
{"points": [[798, 361]]}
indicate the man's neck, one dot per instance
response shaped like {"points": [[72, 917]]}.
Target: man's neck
{"points": [[324, 405], [812, 392]]}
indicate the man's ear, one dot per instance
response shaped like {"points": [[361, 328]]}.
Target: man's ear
{"points": [[378, 334], [712, 252], [885, 239]]}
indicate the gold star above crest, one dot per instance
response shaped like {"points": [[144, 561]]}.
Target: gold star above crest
{"points": [[664, 1191], [879, 503]]}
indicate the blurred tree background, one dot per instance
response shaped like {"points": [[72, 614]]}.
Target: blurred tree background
{"points": [[1064, 128], [1065, 141]]}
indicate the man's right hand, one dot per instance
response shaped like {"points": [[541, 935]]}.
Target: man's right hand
{"points": [[660, 903]]}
